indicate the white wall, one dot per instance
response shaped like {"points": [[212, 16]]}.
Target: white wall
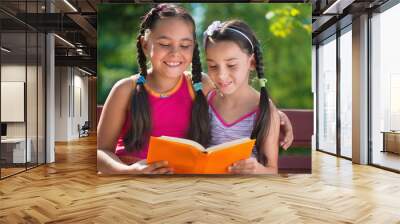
{"points": [[71, 93], [80, 100], [61, 103], [13, 73]]}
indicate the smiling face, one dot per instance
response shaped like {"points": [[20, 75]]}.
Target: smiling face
{"points": [[228, 65], [169, 46]]}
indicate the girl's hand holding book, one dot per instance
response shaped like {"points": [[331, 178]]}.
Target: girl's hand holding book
{"points": [[249, 166], [142, 167]]}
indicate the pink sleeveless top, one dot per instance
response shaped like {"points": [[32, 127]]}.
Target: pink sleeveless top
{"points": [[170, 116]]}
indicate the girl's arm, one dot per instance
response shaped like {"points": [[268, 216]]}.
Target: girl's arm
{"points": [[109, 163], [110, 124], [109, 127], [286, 132], [271, 144]]}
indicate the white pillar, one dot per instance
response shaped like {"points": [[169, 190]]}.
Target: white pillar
{"points": [[360, 90], [50, 93]]}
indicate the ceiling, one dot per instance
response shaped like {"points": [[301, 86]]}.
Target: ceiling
{"points": [[330, 15], [76, 22], [77, 25]]}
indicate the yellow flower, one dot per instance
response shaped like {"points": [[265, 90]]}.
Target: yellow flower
{"points": [[307, 27], [294, 12]]}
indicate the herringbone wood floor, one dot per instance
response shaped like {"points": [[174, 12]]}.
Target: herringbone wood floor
{"points": [[69, 191]]}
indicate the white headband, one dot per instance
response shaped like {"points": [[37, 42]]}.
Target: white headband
{"points": [[216, 25]]}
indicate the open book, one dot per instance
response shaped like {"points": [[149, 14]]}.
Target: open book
{"points": [[189, 157]]}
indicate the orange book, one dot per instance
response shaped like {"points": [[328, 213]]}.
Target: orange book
{"points": [[189, 157]]}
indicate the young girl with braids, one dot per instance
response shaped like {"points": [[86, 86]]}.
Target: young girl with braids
{"points": [[238, 110], [161, 100]]}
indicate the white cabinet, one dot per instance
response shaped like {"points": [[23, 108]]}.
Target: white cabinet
{"points": [[15, 148]]}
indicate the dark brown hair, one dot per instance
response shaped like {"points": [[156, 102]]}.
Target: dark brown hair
{"points": [[140, 129], [261, 125]]}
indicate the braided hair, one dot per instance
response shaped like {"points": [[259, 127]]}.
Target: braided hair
{"points": [[227, 33], [139, 131]]}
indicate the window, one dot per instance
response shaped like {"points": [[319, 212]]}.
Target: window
{"points": [[22, 68], [346, 93], [385, 86], [327, 96]]}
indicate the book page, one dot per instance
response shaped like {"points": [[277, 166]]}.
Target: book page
{"points": [[227, 144], [185, 141]]}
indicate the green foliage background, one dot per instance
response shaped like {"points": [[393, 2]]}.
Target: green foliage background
{"points": [[284, 30]]}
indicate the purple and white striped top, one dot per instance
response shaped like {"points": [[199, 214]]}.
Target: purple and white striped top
{"points": [[223, 132]]}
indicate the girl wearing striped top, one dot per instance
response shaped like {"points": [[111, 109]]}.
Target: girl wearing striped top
{"points": [[237, 110]]}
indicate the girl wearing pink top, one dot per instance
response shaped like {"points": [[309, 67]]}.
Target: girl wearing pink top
{"points": [[174, 105], [161, 100]]}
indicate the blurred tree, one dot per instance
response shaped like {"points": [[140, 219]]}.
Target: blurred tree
{"points": [[284, 31], [118, 26]]}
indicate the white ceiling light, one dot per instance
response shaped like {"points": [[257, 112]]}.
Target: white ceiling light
{"points": [[84, 71], [5, 49], [337, 7], [65, 41], [71, 6]]}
